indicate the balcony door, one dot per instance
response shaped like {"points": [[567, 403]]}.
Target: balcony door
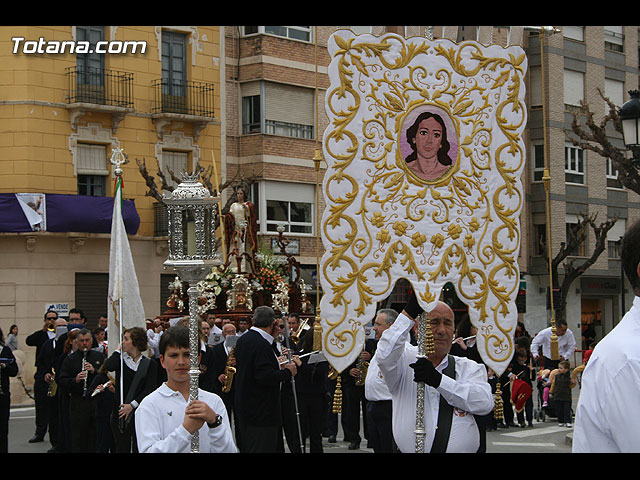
{"points": [[174, 72], [90, 82]]}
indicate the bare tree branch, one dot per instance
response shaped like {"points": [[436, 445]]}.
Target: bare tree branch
{"points": [[594, 138], [577, 235]]}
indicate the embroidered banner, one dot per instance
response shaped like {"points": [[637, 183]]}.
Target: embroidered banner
{"points": [[424, 154]]}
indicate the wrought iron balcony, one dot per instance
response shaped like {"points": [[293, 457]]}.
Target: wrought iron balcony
{"points": [[183, 97], [99, 86]]}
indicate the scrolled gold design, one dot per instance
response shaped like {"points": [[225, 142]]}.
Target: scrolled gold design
{"points": [[373, 227]]}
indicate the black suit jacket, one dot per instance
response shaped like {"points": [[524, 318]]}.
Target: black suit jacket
{"points": [[37, 339], [257, 381], [72, 365], [219, 364]]}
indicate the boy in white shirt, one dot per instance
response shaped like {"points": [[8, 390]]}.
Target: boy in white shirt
{"points": [[166, 421]]}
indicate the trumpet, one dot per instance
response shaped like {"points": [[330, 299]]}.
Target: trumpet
{"points": [[229, 372], [304, 325]]}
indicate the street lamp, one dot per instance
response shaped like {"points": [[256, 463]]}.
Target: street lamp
{"points": [[630, 116], [191, 214]]}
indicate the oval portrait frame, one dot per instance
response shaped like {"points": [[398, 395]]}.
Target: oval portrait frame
{"points": [[404, 149]]}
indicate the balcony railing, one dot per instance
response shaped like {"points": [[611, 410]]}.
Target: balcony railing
{"points": [[185, 97], [100, 86]]}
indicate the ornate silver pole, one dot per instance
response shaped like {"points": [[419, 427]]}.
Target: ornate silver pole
{"points": [[422, 353], [287, 337], [194, 349], [429, 33], [191, 212]]}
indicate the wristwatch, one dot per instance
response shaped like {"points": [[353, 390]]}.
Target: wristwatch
{"points": [[216, 423]]}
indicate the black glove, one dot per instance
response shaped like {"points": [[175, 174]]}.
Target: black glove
{"points": [[424, 371], [412, 307]]}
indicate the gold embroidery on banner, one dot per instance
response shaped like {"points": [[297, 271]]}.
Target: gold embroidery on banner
{"points": [[474, 219]]}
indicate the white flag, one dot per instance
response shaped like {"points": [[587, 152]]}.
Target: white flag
{"points": [[123, 282]]}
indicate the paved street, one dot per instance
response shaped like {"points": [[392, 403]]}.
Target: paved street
{"points": [[543, 437]]}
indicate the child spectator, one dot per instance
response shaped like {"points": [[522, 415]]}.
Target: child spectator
{"points": [[561, 384]]}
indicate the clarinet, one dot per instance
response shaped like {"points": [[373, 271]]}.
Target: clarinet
{"points": [[84, 366]]}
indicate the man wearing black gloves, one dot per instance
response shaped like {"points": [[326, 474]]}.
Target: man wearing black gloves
{"points": [[456, 388]]}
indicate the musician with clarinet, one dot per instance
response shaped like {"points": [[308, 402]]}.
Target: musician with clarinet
{"points": [[76, 373], [455, 388]]}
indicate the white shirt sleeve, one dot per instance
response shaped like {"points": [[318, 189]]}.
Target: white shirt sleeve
{"points": [[390, 350], [473, 393], [220, 437], [149, 421], [570, 345], [537, 343]]}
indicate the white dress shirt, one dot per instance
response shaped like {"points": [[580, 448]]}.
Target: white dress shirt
{"points": [[159, 424], [566, 344], [607, 416], [375, 388], [469, 394]]}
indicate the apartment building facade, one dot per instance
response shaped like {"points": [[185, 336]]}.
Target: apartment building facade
{"points": [[577, 62], [64, 108]]}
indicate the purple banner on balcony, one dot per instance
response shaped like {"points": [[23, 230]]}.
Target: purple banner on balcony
{"points": [[63, 213]]}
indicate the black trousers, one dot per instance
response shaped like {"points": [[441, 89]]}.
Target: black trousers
{"points": [[40, 388], [563, 410], [379, 427], [313, 408], [550, 364], [260, 439], [83, 427], [5, 405], [352, 399], [125, 442], [290, 419]]}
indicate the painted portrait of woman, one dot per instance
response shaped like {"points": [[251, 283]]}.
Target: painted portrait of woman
{"points": [[431, 153]]}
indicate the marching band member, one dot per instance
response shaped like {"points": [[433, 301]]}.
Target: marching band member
{"points": [[76, 373], [258, 382], [379, 403]]}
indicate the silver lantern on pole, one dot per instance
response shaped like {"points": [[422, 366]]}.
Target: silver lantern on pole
{"points": [[191, 215]]}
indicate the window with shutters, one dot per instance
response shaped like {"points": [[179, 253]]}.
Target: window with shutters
{"points": [[292, 33], [571, 231], [92, 169], [574, 165], [176, 162], [612, 176], [614, 235], [278, 109], [574, 33], [573, 87], [291, 205], [614, 38], [537, 151]]}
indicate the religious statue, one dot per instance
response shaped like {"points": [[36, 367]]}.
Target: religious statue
{"points": [[241, 232]]}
